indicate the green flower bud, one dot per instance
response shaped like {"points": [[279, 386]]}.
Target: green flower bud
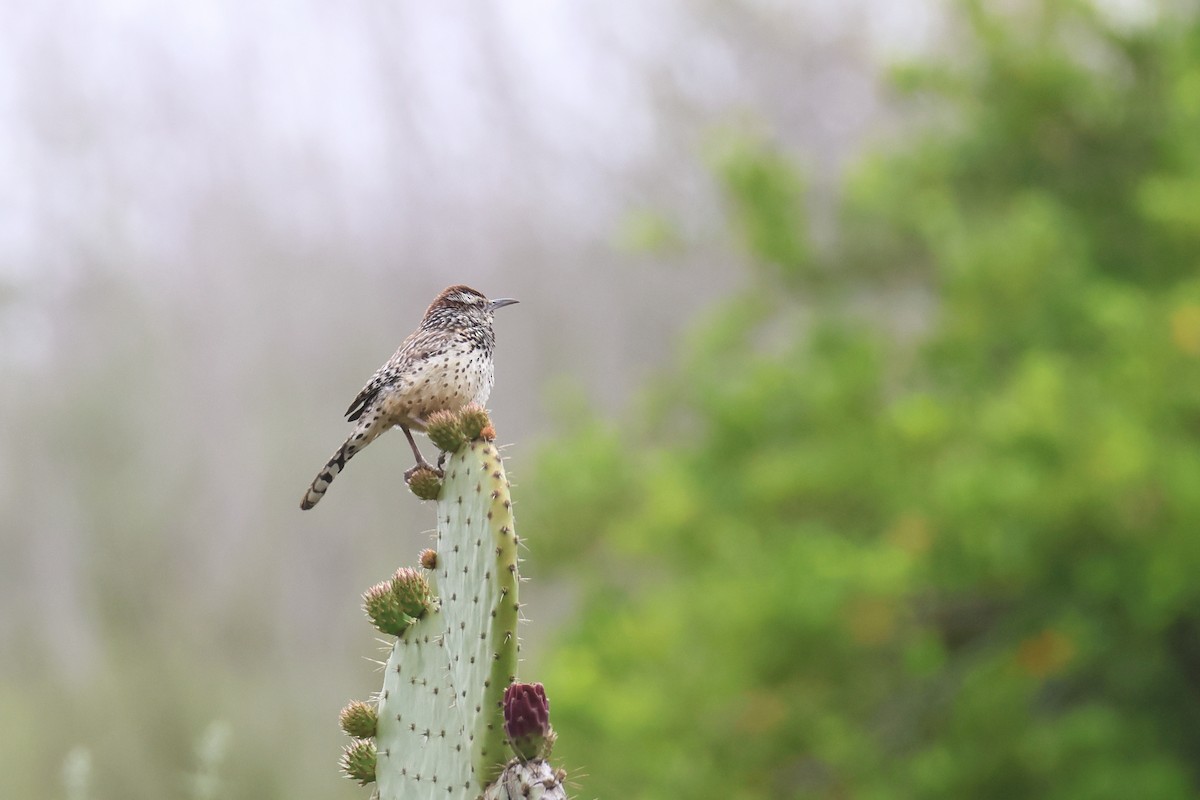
{"points": [[358, 762], [384, 609], [359, 719]]}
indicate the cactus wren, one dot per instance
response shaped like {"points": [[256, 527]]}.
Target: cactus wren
{"points": [[444, 364]]}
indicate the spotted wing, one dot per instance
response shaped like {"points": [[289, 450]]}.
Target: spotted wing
{"points": [[412, 351], [368, 393]]}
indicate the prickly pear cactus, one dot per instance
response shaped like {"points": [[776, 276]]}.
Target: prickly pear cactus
{"points": [[439, 730]]}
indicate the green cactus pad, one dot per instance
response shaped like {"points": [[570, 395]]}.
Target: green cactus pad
{"points": [[384, 609], [358, 762], [425, 484], [359, 719], [444, 430], [441, 724]]}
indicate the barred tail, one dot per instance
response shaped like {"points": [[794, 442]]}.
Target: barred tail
{"points": [[362, 436]]}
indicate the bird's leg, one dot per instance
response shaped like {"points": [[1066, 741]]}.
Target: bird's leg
{"points": [[421, 462], [442, 460]]}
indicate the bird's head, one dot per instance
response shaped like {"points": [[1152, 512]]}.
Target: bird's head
{"points": [[463, 302]]}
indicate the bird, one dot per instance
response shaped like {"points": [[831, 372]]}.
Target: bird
{"points": [[445, 364]]}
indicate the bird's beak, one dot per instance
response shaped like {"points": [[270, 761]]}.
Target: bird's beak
{"points": [[502, 302]]}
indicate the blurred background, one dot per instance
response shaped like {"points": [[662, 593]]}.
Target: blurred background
{"points": [[851, 406]]}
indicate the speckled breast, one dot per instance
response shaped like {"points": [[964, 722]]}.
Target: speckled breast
{"points": [[445, 381]]}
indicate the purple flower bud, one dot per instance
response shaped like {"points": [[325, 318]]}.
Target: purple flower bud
{"points": [[527, 719]]}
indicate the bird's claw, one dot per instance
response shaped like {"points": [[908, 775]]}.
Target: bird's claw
{"points": [[420, 465]]}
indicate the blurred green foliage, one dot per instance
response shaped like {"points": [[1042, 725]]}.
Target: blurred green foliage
{"points": [[919, 517]]}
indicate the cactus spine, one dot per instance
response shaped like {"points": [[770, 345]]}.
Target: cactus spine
{"points": [[440, 730]]}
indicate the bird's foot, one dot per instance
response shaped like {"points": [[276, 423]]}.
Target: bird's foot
{"points": [[420, 465]]}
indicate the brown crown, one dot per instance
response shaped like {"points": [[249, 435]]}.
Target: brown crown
{"points": [[444, 300]]}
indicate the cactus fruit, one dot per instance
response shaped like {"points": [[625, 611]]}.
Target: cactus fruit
{"points": [[425, 484], [358, 762], [384, 609], [473, 421], [444, 430], [527, 725], [527, 720], [359, 719], [440, 730], [412, 592], [393, 605]]}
